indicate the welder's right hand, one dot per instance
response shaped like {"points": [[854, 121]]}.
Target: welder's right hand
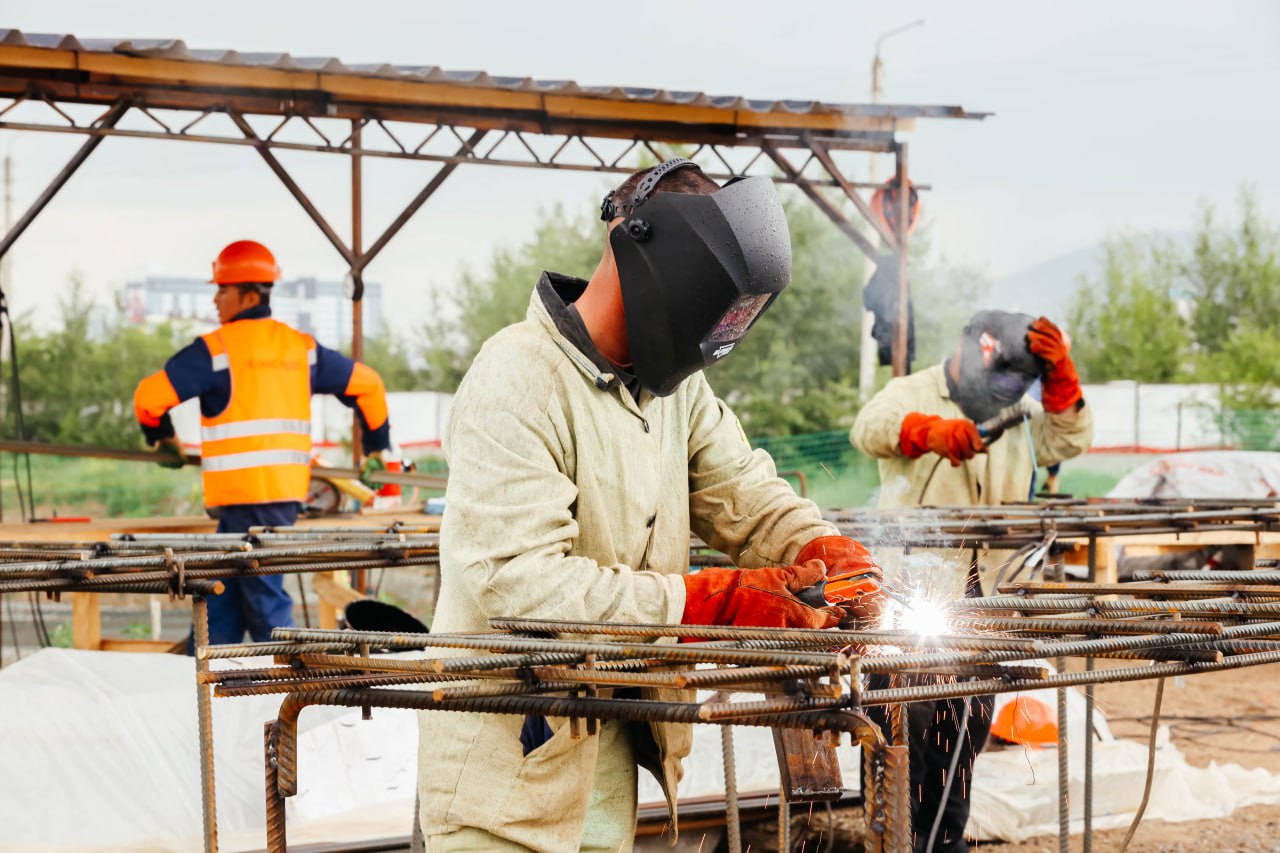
{"points": [[957, 439], [759, 598], [171, 453]]}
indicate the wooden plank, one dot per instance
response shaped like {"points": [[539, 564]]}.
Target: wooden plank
{"points": [[122, 644], [86, 621]]}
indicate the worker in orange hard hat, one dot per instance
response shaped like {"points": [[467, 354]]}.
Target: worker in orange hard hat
{"points": [[254, 377]]}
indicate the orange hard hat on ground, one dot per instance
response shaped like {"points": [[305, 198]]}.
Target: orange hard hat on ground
{"points": [[1027, 721], [245, 262]]}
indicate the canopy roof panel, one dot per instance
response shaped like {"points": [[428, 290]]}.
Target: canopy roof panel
{"points": [[166, 73]]}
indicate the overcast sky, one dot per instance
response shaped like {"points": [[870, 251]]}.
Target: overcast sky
{"points": [[1108, 115]]}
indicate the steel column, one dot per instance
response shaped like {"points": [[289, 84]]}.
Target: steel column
{"points": [[901, 338], [357, 279], [200, 612]]}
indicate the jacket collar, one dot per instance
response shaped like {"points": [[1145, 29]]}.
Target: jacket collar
{"points": [[553, 293], [257, 312], [940, 379]]}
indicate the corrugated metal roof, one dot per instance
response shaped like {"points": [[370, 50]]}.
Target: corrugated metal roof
{"points": [[177, 50]]}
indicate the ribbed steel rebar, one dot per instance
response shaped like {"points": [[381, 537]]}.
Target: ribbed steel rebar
{"points": [[781, 636], [686, 652], [956, 690], [1262, 576], [1047, 625]]}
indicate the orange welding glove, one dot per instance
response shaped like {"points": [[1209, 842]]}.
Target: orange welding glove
{"points": [[1060, 382], [845, 557], [759, 598], [955, 438]]}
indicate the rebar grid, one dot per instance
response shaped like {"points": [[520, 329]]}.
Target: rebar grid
{"points": [[179, 564]]}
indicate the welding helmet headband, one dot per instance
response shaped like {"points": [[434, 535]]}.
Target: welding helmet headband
{"points": [[696, 272], [997, 366]]}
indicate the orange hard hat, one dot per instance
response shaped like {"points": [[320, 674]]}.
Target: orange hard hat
{"points": [[245, 262], [1027, 721]]}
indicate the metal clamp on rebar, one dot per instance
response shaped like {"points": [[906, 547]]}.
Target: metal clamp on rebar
{"points": [[176, 568]]}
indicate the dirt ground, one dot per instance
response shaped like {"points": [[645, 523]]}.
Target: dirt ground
{"points": [[1230, 716]]}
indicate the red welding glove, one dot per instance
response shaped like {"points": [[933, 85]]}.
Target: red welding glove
{"points": [[846, 557], [956, 438], [758, 598], [1060, 382]]}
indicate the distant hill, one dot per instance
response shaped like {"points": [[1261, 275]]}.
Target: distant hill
{"points": [[1045, 289]]}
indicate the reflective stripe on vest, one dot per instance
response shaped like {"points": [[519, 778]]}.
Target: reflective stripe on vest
{"points": [[258, 449], [255, 459], [247, 429]]}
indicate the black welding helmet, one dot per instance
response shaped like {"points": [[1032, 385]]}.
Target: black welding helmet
{"points": [[696, 271], [997, 366]]}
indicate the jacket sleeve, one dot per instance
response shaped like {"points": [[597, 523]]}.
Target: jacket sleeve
{"points": [[187, 374], [877, 431], [1062, 436], [359, 387], [509, 520], [737, 502]]}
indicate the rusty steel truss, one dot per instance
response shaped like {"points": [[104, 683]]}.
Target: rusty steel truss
{"points": [[160, 89]]}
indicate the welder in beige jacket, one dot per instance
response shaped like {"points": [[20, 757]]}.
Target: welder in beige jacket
{"points": [[584, 445], [951, 435]]}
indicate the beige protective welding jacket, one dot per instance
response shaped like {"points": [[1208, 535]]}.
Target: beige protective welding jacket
{"points": [[1002, 474], [567, 499]]}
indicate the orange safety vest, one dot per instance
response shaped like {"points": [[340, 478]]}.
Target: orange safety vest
{"points": [[258, 450]]}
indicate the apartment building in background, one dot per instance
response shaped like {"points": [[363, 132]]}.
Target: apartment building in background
{"points": [[319, 308]]}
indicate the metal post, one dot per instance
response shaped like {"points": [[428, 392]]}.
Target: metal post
{"points": [[277, 841], [732, 823], [1064, 767], [1088, 716], [200, 612], [357, 274], [901, 340], [784, 821]]}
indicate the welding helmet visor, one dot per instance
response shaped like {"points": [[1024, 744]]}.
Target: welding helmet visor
{"points": [[696, 272], [997, 367]]}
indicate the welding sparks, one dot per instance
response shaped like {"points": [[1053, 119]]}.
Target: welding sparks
{"points": [[923, 617]]}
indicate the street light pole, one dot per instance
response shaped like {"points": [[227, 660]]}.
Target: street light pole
{"points": [[867, 352]]}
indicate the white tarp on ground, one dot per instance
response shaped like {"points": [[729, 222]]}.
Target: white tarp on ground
{"points": [[111, 739], [1015, 790], [99, 751], [1204, 474]]}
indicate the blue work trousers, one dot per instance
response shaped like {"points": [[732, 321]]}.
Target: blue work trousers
{"points": [[249, 603]]}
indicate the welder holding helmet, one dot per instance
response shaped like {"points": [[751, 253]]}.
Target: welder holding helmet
{"points": [[965, 433], [584, 445]]}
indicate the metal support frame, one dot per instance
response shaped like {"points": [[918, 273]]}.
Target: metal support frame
{"points": [[106, 122], [573, 151], [901, 337]]}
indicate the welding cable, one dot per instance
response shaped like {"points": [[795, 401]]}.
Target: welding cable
{"points": [[13, 626], [928, 480], [302, 597], [1035, 463], [1151, 767], [28, 507], [951, 775]]}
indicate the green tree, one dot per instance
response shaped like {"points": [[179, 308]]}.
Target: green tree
{"points": [[482, 304], [1125, 322], [390, 355], [1233, 276], [78, 379]]}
